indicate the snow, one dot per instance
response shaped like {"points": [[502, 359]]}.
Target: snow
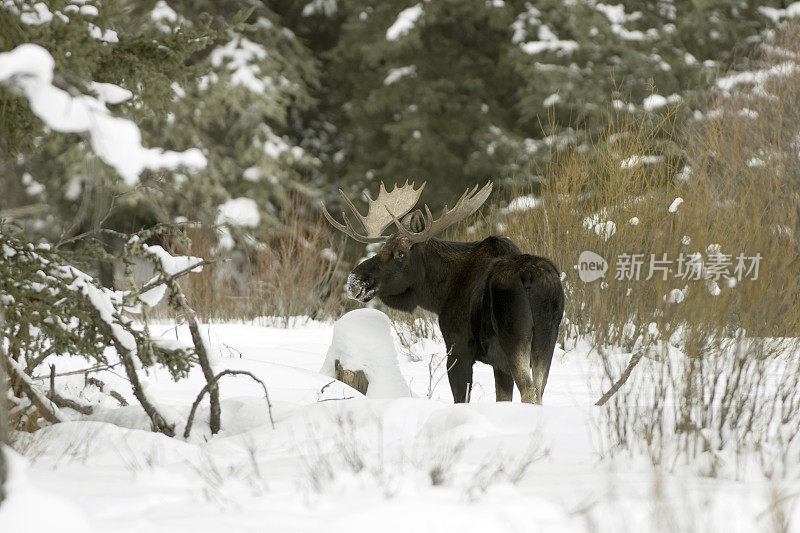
{"points": [[757, 77], [39, 15], [173, 264], [523, 203], [605, 230], [25, 503], [654, 101], [89, 11], [617, 17], [775, 14], [561, 46], [323, 7], [397, 74], [104, 300], [163, 12], [551, 100], [406, 20], [637, 160], [108, 93], [241, 56], [107, 36], [337, 461], [240, 212], [362, 340], [117, 141], [676, 296], [153, 296]]}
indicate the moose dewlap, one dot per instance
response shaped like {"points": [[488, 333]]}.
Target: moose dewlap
{"points": [[363, 347]]}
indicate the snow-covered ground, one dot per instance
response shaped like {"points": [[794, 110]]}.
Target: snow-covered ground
{"points": [[338, 461]]}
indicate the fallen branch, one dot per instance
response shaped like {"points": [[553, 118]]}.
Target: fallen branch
{"points": [[102, 386], [635, 358], [213, 383], [44, 405], [62, 402], [117, 396], [98, 368]]}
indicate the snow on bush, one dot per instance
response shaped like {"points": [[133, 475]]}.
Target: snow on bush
{"points": [[405, 22], [117, 141], [362, 340], [397, 74], [523, 203], [241, 212]]}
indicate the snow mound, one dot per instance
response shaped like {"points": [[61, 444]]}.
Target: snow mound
{"points": [[362, 340], [26, 502]]}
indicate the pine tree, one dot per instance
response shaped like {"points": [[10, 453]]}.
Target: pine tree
{"points": [[219, 77], [464, 91]]}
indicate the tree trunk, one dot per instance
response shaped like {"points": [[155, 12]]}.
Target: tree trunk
{"points": [[4, 437]]}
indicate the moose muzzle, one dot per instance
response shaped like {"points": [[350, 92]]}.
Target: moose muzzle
{"points": [[361, 289]]}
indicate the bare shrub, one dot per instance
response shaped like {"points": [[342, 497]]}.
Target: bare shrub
{"points": [[411, 328], [358, 449], [297, 272], [727, 408], [714, 371]]}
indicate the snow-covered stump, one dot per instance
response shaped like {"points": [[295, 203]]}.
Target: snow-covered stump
{"points": [[363, 355], [358, 379]]}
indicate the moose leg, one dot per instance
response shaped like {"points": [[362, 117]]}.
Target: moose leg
{"points": [[543, 344], [503, 386], [519, 356], [459, 374], [515, 332]]}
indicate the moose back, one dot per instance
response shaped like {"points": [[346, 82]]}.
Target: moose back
{"points": [[495, 304]]}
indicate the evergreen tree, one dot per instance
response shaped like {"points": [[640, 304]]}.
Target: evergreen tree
{"points": [[220, 77], [457, 92]]}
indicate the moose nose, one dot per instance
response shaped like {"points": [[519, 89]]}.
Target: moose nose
{"points": [[360, 288]]}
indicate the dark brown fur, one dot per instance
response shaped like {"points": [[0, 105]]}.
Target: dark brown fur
{"points": [[495, 305]]}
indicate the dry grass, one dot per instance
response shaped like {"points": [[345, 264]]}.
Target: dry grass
{"points": [[298, 272], [738, 175], [737, 172]]}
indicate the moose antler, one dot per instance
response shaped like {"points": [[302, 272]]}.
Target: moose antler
{"points": [[381, 213], [469, 202]]}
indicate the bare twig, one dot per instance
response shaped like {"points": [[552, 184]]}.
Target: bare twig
{"points": [[97, 368], [179, 301], [635, 358], [23, 211], [213, 383]]}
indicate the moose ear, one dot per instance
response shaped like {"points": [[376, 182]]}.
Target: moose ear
{"points": [[414, 221]]}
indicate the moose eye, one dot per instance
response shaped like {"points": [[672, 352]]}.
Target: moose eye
{"points": [[399, 255]]}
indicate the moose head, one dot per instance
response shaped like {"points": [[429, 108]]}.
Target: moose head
{"points": [[404, 260]]}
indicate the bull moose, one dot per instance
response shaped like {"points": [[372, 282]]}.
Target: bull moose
{"points": [[495, 304]]}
